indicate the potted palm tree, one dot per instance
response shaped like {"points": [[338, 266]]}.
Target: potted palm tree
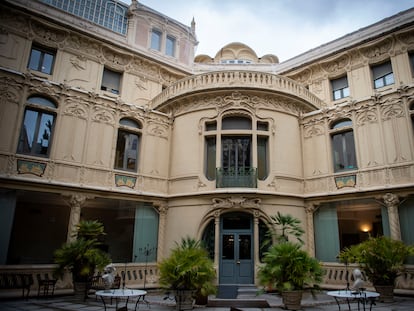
{"points": [[83, 256], [189, 272], [290, 270], [382, 260]]}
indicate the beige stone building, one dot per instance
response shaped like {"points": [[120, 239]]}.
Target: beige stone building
{"points": [[106, 113]]}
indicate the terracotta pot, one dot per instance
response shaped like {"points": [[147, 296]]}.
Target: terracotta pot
{"points": [[386, 292], [79, 289], [292, 299]]}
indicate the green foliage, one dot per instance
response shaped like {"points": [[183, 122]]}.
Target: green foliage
{"points": [[287, 225], [288, 267], [83, 255], [382, 259], [188, 268]]}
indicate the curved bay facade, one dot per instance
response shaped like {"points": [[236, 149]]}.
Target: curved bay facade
{"points": [[121, 122]]}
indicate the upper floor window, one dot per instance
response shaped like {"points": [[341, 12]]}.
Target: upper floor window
{"points": [[170, 46], [111, 81], [411, 57], [343, 146], [127, 145], [340, 88], [382, 74], [41, 59], [37, 128], [236, 166], [156, 36]]}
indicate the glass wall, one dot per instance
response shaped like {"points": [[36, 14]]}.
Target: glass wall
{"points": [[131, 229], [344, 223]]}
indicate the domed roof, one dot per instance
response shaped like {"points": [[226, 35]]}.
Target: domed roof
{"points": [[236, 53]]}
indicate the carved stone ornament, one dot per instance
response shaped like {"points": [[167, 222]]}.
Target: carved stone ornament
{"points": [[236, 202], [378, 49]]}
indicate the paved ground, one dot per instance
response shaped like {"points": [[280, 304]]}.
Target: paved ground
{"points": [[158, 303]]}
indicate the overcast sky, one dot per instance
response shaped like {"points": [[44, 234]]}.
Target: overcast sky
{"points": [[285, 28]]}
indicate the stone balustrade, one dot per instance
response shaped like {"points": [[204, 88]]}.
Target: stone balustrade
{"points": [[237, 79]]}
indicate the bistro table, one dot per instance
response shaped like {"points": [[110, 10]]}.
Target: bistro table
{"points": [[362, 297], [121, 294]]}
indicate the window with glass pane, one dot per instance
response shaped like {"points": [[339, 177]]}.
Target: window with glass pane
{"points": [[340, 88], [156, 40], [170, 46], [262, 157], [41, 60], [37, 129], [236, 155], [236, 123], [343, 147], [382, 75], [210, 161], [111, 81], [127, 146], [411, 57]]}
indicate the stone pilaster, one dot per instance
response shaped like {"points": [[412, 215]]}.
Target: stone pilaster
{"points": [[391, 202], [310, 232], [162, 208], [75, 202]]}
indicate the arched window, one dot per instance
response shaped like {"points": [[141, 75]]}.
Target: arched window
{"points": [[127, 145], [37, 128], [236, 166], [343, 146]]}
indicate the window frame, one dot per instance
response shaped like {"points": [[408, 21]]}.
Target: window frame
{"points": [[156, 42], [173, 41], [411, 61], [131, 127], [381, 74], [43, 108], [342, 129], [108, 77], [340, 88], [41, 61]]}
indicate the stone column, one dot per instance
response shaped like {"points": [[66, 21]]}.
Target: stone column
{"points": [[216, 238], [75, 202], [391, 202], [162, 208], [310, 232]]}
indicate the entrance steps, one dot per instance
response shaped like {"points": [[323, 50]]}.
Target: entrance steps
{"points": [[238, 296]]}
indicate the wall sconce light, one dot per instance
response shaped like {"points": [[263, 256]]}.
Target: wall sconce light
{"points": [[365, 228]]}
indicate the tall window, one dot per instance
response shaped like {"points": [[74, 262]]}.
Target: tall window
{"points": [[127, 145], [37, 128], [343, 146], [111, 81], [156, 36], [382, 75], [41, 59], [170, 46], [340, 88], [235, 168], [411, 57]]}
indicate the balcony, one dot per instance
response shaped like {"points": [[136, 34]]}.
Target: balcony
{"points": [[231, 177]]}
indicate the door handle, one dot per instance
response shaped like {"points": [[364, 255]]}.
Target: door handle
{"points": [[238, 262]]}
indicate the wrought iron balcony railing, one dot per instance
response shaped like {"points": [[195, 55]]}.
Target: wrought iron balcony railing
{"points": [[242, 177]]}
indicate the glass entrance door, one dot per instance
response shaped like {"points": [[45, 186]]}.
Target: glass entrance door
{"points": [[236, 262]]}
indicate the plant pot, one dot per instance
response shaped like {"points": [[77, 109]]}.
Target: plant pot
{"points": [[386, 292], [79, 289], [292, 299], [184, 299]]}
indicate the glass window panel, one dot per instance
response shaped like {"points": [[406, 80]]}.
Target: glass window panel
{"points": [[346, 92], [341, 123], [209, 238], [379, 83], [340, 83], [41, 101], [262, 126], [156, 40], [111, 81], [210, 158], [170, 46], [47, 63], [245, 248], [262, 157], [381, 70], [236, 123], [326, 233], [126, 156], [389, 79], [228, 246], [211, 126], [145, 234], [236, 222], [34, 61], [130, 123], [44, 133]]}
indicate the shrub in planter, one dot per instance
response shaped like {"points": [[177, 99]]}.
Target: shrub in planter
{"points": [[188, 270]]}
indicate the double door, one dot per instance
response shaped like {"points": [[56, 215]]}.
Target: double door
{"points": [[236, 263]]}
